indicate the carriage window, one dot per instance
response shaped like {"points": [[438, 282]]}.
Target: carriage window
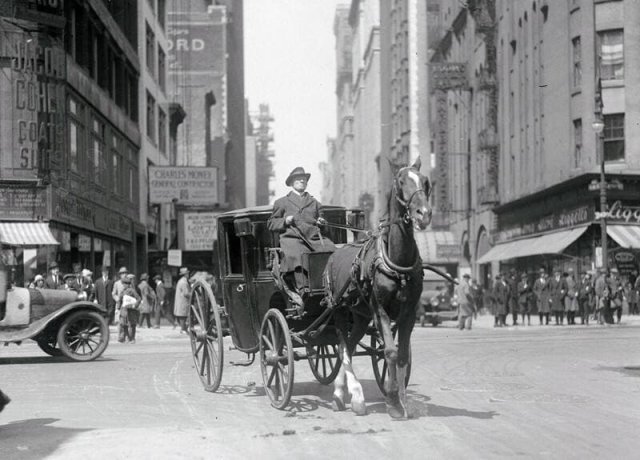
{"points": [[234, 250], [263, 241]]}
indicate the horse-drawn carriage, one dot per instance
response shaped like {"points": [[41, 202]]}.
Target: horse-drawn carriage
{"points": [[260, 318]]}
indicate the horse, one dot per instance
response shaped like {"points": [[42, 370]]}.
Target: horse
{"points": [[381, 279]]}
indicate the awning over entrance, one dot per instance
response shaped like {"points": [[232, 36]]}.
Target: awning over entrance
{"points": [[437, 246], [627, 236], [552, 243], [26, 234]]}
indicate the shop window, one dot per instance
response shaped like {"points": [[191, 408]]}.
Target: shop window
{"points": [[611, 54], [614, 137], [577, 141], [577, 61]]}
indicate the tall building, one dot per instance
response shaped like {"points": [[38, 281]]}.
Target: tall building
{"points": [[554, 62], [69, 135]]}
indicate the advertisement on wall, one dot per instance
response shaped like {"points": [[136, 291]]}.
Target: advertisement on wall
{"points": [[183, 185], [32, 123], [197, 231]]}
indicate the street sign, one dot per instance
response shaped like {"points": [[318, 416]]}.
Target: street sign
{"points": [[174, 257]]}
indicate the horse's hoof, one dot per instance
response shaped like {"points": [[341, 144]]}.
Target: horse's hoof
{"points": [[396, 413], [359, 408], [338, 405]]}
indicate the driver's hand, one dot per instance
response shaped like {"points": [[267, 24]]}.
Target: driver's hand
{"points": [[321, 221], [288, 220]]}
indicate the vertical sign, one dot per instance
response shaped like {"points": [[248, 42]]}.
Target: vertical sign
{"points": [[441, 149]]}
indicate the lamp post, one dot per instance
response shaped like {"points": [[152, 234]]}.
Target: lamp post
{"points": [[598, 127]]}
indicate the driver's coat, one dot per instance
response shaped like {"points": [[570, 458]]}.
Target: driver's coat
{"points": [[305, 210]]}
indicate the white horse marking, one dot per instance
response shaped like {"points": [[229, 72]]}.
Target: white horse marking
{"points": [[415, 178]]}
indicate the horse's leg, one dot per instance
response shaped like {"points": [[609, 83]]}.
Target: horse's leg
{"points": [[339, 383], [405, 326], [391, 357], [358, 330]]}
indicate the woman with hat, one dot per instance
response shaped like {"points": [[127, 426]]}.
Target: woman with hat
{"points": [[182, 299], [38, 282], [296, 217]]}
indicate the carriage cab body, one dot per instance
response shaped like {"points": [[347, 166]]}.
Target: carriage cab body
{"points": [[248, 256]]}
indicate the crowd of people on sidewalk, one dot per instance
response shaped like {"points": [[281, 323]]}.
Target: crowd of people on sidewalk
{"points": [[600, 298], [129, 302]]}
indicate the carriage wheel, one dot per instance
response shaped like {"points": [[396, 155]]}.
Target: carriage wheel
{"points": [[205, 333], [83, 336], [380, 369], [325, 363], [276, 358]]}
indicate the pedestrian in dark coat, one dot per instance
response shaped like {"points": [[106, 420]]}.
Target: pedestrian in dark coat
{"points": [[558, 290], [501, 296], [571, 297], [148, 300], [296, 218], [103, 287], [585, 297], [524, 290], [513, 296], [543, 296], [128, 310], [160, 302], [54, 279]]}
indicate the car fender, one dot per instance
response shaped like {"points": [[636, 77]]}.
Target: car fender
{"points": [[37, 327]]}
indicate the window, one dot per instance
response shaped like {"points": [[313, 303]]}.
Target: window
{"points": [[161, 68], [150, 49], [151, 117], [73, 146], [132, 181], [162, 131], [161, 12], [611, 54], [577, 140], [614, 137], [577, 62], [75, 113]]}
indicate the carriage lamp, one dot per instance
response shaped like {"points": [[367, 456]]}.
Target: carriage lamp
{"points": [[598, 124]]}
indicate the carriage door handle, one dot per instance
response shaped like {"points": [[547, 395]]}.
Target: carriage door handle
{"points": [[240, 287]]}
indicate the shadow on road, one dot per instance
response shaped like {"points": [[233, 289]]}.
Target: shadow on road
{"points": [[33, 438], [631, 371], [46, 360]]}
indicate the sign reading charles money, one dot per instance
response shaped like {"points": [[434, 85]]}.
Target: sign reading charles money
{"points": [[32, 124], [183, 185]]}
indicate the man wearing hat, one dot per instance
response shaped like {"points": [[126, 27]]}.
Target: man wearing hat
{"points": [[86, 285], [117, 290], [103, 288], [54, 280], [182, 299], [129, 301], [465, 303], [558, 290], [585, 297], [524, 298], [501, 296], [296, 217], [148, 302], [543, 296]]}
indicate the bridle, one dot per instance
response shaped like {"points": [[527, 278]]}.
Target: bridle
{"points": [[406, 204]]}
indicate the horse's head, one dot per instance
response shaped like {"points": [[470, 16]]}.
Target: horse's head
{"points": [[412, 191]]}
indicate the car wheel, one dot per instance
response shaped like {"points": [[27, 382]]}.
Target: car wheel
{"points": [[83, 336]]}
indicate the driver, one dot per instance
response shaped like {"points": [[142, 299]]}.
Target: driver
{"points": [[296, 217]]}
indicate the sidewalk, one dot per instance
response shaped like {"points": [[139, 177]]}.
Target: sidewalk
{"points": [[487, 322], [166, 332]]}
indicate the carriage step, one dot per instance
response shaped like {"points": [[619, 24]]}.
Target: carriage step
{"points": [[301, 356]]}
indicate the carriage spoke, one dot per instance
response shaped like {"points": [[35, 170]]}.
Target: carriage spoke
{"points": [[274, 337], [203, 361], [271, 376], [200, 345], [267, 342], [281, 384]]}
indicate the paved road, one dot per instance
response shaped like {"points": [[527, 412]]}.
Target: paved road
{"points": [[531, 392]]}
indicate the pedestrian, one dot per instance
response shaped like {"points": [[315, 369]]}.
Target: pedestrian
{"points": [[604, 307], [38, 282], [585, 295], [182, 298], [103, 288], [513, 296], [160, 301], [632, 298], [524, 290], [636, 288], [148, 302], [476, 292], [129, 301], [617, 301], [466, 308], [571, 298], [54, 280], [543, 297], [501, 297], [599, 287], [87, 287], [69, 281], [116, 291], [557, 289]]}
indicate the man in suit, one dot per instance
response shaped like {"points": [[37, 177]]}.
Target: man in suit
{"points": [[466, 307], [54, 279], [543, 300], [501, 298], [296, 218], [103, 288], [513, 296], [524, 295], [558, 290], [161, 294]]}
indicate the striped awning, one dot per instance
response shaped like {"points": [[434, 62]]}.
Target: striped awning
{"points": [[627, 236], [551, 243], [26, 234]]}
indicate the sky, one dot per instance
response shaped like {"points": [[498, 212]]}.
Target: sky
{"points": [[290, 65]]}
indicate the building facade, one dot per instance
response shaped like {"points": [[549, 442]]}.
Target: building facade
{"points": [[69, 138]]}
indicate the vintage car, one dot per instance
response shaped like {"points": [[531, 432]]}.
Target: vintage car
{"points": [[59, 321], [436, 303]]}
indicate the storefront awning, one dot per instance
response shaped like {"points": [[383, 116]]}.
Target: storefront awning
{"points": [[552, 243], [627, 236], [437, 246], [26, 234]]}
